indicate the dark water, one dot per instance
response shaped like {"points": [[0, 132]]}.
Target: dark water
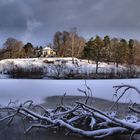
{"points": [[12, 133], [15, 131]]}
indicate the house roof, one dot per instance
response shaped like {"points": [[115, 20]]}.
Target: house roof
{"points": [[47, 48]]}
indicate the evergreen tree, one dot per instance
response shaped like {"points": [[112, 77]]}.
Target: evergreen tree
{"points": [[29, 50], [97, 51], [88, 50], [106, 53], [93, 50]]}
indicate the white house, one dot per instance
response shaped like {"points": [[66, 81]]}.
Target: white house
{"points": [[48, 52]]}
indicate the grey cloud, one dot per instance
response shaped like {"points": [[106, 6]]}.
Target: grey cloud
{"points": [[38, 20], [12, 18]]}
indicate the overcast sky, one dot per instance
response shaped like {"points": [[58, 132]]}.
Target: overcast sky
{"points": [[36, 21]]}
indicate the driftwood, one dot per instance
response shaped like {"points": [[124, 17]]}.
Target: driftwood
{"points": [[81, 119]]}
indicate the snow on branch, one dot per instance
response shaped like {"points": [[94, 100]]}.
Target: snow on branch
{"points": [[125, 88], [81, 119]]}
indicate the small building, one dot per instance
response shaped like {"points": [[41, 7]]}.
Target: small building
{"points": [[48, 52], [45, 52]]}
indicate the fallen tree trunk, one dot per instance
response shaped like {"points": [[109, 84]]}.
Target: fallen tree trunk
{"points": [[81, 119]]}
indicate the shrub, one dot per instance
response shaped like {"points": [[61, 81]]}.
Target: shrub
{"points": [[33, 73]]}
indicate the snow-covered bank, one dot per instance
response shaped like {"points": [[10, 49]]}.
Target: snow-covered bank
{"points": [[38, 90], [55, 67]]}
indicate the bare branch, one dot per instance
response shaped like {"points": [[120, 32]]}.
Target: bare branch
{"points": [[134, 110], [82, 119], [38, 126], [125, 89]]}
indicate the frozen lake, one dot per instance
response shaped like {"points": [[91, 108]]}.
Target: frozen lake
{"points": [[37, 90]]}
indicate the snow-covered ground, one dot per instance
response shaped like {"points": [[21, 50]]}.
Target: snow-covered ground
{"points": [[55, 66], [38, 90]]}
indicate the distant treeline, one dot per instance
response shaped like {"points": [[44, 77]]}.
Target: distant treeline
{"points": [[70, 44]]}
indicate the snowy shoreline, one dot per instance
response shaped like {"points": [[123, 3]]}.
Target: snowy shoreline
{"points": [[58, 68]]}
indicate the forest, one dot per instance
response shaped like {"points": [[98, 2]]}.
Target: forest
{"points": [[70, 44]]}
